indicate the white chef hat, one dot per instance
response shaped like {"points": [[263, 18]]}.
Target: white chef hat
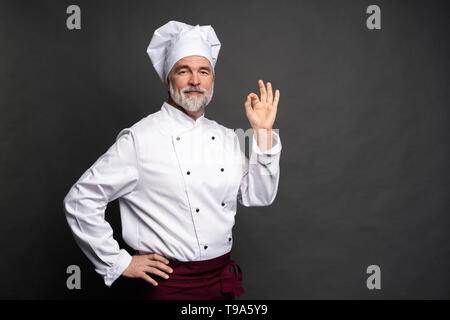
{"points": [[176, 40]]}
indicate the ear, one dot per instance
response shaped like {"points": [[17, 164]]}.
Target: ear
{"points": [[167, 86], [168, 82]]}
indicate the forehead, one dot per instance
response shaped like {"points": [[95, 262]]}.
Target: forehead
{"points": [[193, 62]]}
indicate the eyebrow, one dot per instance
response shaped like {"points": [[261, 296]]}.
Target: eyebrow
{"points": [[187, 67]]}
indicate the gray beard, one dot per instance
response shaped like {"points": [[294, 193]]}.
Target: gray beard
{"points": [[194, 103]]}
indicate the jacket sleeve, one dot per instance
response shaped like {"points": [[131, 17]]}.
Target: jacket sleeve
{"points": [[259, 184], [113, 175]]}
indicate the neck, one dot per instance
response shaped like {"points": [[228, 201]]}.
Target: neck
{"points": [[192, 114]]}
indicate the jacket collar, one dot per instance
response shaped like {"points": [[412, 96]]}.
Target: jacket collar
{"points": [[176, 120]]}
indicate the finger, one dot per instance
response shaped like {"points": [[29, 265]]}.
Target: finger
{"points": [[254, 98], [155, 256], [269, 93], [156, 272], [276, 99], [262, 90], [160, 265], [248, 105], [147, 278]]}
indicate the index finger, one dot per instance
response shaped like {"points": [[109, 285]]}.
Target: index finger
{"points": [[155, 256]]}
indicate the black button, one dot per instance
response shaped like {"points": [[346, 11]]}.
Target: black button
{"points": [[197, 209], [206, 247], [221, 169], [188, 172], [223, 204], [229, 239], [212, 137], [178, 138]]}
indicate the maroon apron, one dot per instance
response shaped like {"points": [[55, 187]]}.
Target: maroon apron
{"points": [[214, 279]]}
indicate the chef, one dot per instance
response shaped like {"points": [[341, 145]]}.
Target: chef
{"points": [[178, 177]]}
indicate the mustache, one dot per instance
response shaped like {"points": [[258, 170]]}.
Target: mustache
{"points": [[197, 89]]}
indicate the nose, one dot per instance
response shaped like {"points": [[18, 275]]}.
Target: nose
{"points": [[194, 80]]}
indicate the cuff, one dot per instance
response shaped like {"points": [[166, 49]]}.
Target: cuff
{"points": [[122, 263], [269, 155], [276, 145]]}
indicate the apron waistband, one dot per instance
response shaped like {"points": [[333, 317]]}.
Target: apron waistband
{"points": [[222, 267]]}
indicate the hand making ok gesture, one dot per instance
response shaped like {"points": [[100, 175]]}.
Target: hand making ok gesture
{"points": [[262, 114]]}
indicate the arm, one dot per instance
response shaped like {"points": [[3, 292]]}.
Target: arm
{"points": [[113, 175], [259, 183]]}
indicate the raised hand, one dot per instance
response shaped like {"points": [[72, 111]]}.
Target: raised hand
{"points": [[262, 114]]}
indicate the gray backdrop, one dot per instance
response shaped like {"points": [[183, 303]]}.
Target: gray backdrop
{"points": [[362, 118]]}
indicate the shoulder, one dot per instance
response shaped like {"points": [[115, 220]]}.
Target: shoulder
{"points": [[143, 127]]}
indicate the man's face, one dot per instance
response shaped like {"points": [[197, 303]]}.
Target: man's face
{"points": [[191, 83]]}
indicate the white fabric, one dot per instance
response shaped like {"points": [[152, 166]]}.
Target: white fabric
{"points": [[176, 40], [146, 168]]}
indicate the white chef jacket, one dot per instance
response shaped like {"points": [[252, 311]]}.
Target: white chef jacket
{"points": [[178, 181]]}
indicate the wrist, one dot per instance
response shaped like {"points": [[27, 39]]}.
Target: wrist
{"points": [[263, 138]]}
